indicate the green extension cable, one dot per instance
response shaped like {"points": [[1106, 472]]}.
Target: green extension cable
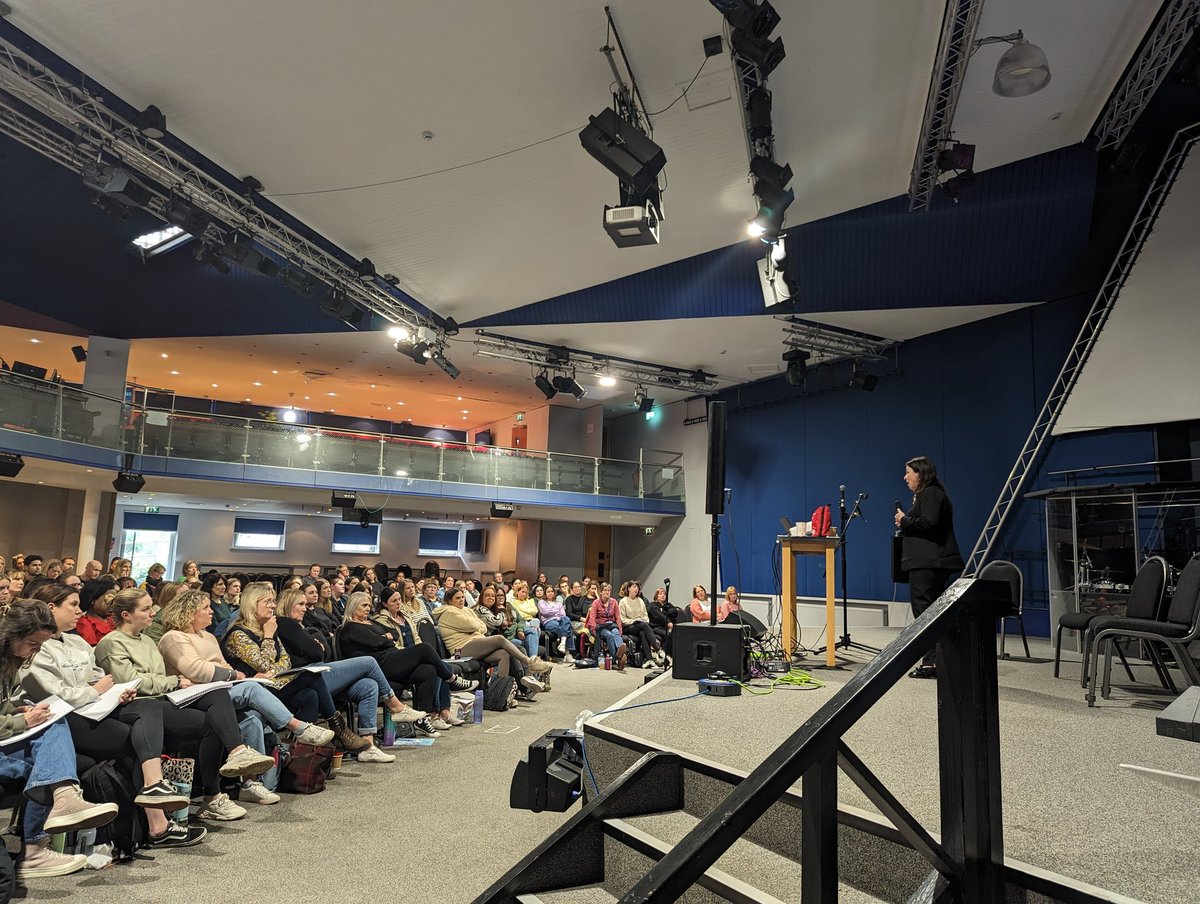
{"points": [[795, 678]]}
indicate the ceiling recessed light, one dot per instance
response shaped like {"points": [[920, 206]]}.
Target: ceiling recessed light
{"points": [[372, 385], [401, 473], [246, 399], [174, 373], [214, 386], [399, 403], [331, 393], [256, 383], [274, 371], [460, 398], [306, 398], [35, 341], [163, 355]]}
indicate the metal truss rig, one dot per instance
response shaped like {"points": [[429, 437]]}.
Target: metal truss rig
{"points": [[945, 83], [560, 358], [1172, 30], [1106, 299], [66, 123], [830, 344]]}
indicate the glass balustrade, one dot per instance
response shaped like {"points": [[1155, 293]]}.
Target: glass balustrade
{"points": [[53, 410]]}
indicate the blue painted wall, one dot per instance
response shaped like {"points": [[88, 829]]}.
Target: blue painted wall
{"points": [[966, 397]]}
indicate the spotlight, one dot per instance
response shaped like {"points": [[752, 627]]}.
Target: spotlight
{"points": [[764, 54], [758, 107], [116, 182], [956, 158], [338, 304], [10, 464], [1021, 70], [568, 384], [646, 405], [79, 352], [418, 351], [759, 19], [542, 382], [624, 150], [300, 281], [112, 208], [955, 187], [204, 254], [607, 379], [188, 217], [447, 368], [251, 186], [774, 198], [797, 366], [244, 255], [448, 325], [289, 416], [557, 356], [151, 122], [128, 482], [365, 269], [399, 333]]}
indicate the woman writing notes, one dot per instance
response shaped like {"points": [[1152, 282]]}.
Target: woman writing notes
{"points": [[929, 552]]}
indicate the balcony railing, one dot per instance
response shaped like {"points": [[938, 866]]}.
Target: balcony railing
{"points": [[53, 410]]}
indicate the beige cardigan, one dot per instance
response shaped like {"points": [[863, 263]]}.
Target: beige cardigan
{"points": [[196, 657]]}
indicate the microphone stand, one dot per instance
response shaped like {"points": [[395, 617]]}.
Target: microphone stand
{"points": [[845, 520]]}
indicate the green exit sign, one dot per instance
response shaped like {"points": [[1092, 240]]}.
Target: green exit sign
{"points": [[152, 510]]}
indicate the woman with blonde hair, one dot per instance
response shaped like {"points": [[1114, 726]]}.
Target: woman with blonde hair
{"points": [[251, 647]]}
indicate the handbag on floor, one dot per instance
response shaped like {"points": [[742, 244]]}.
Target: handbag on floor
{"points": [[180, 772], [306, 769]]}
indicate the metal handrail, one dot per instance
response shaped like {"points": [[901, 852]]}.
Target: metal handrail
{"points": [[970, 854]]}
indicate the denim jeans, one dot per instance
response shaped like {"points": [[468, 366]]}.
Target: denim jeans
{"points": [[44, 760], [557, 627], [363, 683], [611, 638], [533, 636], [254, 696], [254, 733]]}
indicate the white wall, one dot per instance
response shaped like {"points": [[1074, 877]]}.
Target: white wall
{"points": [[40, 519], [536, 419], [679, 549], [207, 534]]}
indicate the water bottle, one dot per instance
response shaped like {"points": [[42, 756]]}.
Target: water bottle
{"points": [[607, 662], [389, 730], [477, 709]]}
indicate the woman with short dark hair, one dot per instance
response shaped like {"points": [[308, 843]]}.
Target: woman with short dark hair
{"points": [[928, 551]]}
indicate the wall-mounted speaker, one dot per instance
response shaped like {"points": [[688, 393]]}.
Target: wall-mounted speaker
{"points": [[10, 465]]}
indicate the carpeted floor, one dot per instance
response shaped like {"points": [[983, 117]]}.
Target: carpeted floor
{"points": [[434, 825], [1068, 806]]}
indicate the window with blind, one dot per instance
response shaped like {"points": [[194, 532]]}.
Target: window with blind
{"points": [[258, 533]]}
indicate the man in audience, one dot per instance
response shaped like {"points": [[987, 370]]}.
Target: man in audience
{"points": [[92, 570], [33, 565], [68, 565], [343, 571]]}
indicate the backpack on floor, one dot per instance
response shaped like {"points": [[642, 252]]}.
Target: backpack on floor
{"points": [[106, 783], [500, 692]]}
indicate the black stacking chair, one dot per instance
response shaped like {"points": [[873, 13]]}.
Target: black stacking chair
{"points": [[1145, 598], [1178, 628], [1001, 570]]}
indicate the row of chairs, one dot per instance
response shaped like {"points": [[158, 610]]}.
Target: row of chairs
{"points": [[1150, 618]]}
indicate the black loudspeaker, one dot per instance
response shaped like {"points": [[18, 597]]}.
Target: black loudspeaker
{"points": [[10, 465], [624, 150], [128, 482], [714, 497], [701, 650]]}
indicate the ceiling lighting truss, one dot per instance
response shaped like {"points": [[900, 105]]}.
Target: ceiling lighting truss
{"points": [[641, 373], [945, 84], [1174, 27], [64, 122], [825, 343]]}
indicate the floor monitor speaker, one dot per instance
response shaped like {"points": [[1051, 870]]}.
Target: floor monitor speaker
{"points": [[700, 650]]}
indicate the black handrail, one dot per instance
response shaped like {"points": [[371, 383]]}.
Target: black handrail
{"points": [[971, 853]]}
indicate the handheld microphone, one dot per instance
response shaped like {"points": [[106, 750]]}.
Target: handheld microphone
{"points": [[899, 507]]}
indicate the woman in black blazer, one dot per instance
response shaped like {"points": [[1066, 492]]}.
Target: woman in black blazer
{"points": [[929, 552]]}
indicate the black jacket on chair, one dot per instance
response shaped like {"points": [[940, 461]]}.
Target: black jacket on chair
{"points": [[928, 531]]}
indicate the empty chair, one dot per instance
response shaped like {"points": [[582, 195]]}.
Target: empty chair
{"points": [[1178, 628], [1001, 570], [1145, 598]]}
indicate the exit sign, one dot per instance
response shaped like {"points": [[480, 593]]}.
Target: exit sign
{"points": [[152, 510]]}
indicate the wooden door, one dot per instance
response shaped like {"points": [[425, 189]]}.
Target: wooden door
{"points": [[520, 436], [597, 551]]}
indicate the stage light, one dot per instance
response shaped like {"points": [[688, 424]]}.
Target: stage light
{"points": [[128, 482], [955, 187], [150, 122], [10, 464], [542, 382], [251, 186], [568, 384], [758, 108], [644, 402], [1021, 70], [300, 281], [447, 368], [205, 255], [399, 333], [797, 366], [338, 304], [245, 256], [418, 351], [860, 379], [79, 352], [188, 217], [607, 380], [117, 183], [764, 54], [957, 157], [289, 416], [365, 269], [774, 197]]}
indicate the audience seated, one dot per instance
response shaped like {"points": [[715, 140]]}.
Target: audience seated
{"points": [[635, 621], [466, 635], [604, 623]]}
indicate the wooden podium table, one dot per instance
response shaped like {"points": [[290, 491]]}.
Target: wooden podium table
{"points": [[809, 546]]}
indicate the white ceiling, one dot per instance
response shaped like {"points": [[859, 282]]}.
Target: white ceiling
{"points": [[307, 95]]}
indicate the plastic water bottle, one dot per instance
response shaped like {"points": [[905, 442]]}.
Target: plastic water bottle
{"points": [[477, 709], [389, 730]]}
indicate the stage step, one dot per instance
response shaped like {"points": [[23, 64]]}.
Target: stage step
{"points": [[580, 894]]}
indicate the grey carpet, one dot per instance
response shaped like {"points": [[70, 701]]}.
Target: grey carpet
{"points": [[433, 826], [1068, 807]]}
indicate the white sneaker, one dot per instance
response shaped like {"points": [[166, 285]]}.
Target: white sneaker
{"points": [[40, 861], [259, 793], [440, 724], [220, 807], [374, 755], [455, 721], [315, 735], [408, 714], [562, 646], [568, 659], [650, 664], [532, 685]]}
